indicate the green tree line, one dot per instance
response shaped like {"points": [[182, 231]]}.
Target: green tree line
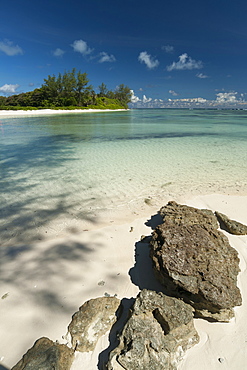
{"points": [[69, 89]]}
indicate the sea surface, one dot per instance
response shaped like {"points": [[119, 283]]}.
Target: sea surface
{"points": [[62, 173]]}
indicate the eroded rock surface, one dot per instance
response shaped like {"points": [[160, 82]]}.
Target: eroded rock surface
{"points": [[94, 319], [195, 262], [233, 227], [46, 355], [181, 214], [160, 329]]}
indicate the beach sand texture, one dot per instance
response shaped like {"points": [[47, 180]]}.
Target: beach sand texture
{"points": [[45, 283], [38, 112]]}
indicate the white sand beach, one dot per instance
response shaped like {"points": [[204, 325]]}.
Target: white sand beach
{"points": [[45, 282], [38, 112]]}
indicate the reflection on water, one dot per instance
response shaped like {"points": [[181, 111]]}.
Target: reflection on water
{"points": [[58, 171]]}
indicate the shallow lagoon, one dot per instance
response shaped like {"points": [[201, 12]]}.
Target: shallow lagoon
{"points": [[65, 173]]}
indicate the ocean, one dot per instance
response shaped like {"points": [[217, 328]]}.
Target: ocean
{"points": [[64, 173]]}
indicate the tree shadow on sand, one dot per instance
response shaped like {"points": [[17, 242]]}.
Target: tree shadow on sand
{"points": [[28, 202], [42, 274]]}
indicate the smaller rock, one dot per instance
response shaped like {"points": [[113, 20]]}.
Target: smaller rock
{"points": [[158, 332], [94, 319], [233, 227], [46, 355], [221, 360]]}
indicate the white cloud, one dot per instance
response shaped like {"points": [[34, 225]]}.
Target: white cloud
{"points": [[134, 99], [201, 75], [173, 92], [104, 57], [58, 52], [8, 89], [185, 62], [227, 97], [168, 48], [145, 99], [9, 48], [150, 62], [81, 47]]}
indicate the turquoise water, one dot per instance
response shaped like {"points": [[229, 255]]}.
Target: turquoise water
{"points": [[61, 172]]}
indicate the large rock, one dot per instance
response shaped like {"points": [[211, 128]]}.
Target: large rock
{"points": [[94, 319], [195, 262], [233, 227], [46, 355], [160, 329]]}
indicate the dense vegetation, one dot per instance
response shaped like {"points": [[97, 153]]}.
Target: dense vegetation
{"points": [[70, 90]]}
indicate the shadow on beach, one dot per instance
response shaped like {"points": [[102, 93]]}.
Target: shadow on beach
{"points": [[28, 201], [142, 274], [42, 273], [4, 368]]}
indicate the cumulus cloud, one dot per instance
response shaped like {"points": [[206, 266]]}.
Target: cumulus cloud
{"points": [[226, 97], [201, 75], [168, 48], [81, 47], [145, 99], [185, 62], [104, 57], [173, 92], [134, 99], [9, 89], [150, 62], [58, 52], [9, 48]]}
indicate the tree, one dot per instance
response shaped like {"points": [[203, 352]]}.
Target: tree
{"points": [[123, 94], [81, 83], [103, 90]]}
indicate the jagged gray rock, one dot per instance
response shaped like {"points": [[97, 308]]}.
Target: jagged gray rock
{"points": [[232, 226], [160, 329], [194, 261], [46, 355], [94, 319]]}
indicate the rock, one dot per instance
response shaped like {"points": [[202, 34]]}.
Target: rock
{"points": [[184, 215], [94, 319], [233, 227], [46, 355], [195, 262], [160, 329]]}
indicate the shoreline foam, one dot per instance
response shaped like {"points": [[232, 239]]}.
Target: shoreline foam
{"points": [[47, 281]]}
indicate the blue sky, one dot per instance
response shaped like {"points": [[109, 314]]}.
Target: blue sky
{"points": [[160, 49]]}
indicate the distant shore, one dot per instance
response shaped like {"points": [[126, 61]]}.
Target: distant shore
{"points": [[39, 112]]}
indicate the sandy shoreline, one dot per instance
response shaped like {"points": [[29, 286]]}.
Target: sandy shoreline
{"points": [[42, 112], [45, 282]]}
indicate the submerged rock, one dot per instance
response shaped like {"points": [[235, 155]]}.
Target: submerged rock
{"points": [[233, 227], [195, 262], [46, 355], [94, 319], [160, 329]]}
